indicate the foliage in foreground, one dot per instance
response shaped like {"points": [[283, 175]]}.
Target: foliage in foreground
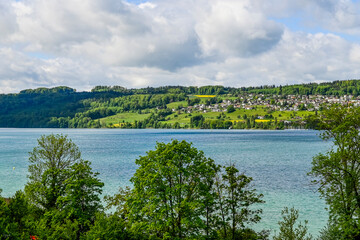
{"points": [[288, 230], [338, 171], [178, 193]]}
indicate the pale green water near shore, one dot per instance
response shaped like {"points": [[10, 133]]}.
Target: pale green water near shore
{"points": [[277, 160]]}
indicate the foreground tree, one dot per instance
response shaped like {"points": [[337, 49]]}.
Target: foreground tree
{"points": [[338, 171], [63, 188], [15, 219], [170, 187], [5, 223], [82, 201], [236, 199], [175, 196], [50, 165], [288, 229], [110, 226]]}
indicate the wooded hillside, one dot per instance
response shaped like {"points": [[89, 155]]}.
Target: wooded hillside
{"points": [[165, 107]]}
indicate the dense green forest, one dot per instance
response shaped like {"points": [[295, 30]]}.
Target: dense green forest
{"points": [[178, 193], [161, 107]]}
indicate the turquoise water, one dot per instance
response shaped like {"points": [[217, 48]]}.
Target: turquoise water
{"points": [[277, 160]]}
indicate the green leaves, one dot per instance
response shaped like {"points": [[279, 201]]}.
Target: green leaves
{"points": [[63, 188], [81, 200], [235, 201], [230, 109], [50, 163], [178, 194], [288, 229], [169, 187], [338, 171]]}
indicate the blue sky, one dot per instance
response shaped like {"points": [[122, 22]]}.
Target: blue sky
{"points": [[84, 43]]}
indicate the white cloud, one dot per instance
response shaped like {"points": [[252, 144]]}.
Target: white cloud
{"points": [[145, 35], [113, 32], [338, 15], [342, 16], [298, 58], [7, 20], [234, 28], [147, 5], [355, 53], [56, 26], [168, 42]]}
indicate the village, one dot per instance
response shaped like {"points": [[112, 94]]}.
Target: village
{"points": [[275, 103]]}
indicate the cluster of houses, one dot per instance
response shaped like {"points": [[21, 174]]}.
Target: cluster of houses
{"points": [[297, 102], [275, 103]]}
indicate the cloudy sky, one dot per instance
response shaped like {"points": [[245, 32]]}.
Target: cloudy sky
{"points": [[84, 43]]}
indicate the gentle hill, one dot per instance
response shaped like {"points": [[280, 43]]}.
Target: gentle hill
{"points": [[172, 106]]}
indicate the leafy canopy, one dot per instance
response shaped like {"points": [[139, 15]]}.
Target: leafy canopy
{"points": [[338, 171], [50, 164], [63, 189], [179, 193]]}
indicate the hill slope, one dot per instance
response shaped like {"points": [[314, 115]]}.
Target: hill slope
{"points": [[173, 106]]}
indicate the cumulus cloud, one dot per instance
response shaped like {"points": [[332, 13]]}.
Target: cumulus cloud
{"points": [[57, 26], [19, 71], [298, 58], [235, 28], [113, 32], [83, 43], [342, 16], [338, 15], [151, 34], [7, 20], [355, 53]]}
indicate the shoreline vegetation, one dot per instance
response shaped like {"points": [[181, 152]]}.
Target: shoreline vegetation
{"points": [[178, 193], [177, 107]]}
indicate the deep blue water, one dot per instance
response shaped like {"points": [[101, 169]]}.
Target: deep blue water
{"points": [[277, 161]]}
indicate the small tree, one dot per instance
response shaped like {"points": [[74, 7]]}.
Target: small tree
{"points": [[235, 202], [288, 230], [230, 109]]}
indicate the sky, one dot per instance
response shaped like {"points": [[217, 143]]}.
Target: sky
{"points": [[139, 43]]}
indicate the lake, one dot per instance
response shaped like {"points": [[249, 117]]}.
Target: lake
{"points": [[277, 161]]}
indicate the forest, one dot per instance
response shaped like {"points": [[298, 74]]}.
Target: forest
{"points": [[161, 107], [178, 193]]}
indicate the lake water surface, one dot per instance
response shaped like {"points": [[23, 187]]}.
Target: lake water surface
{"points": [[277, 161]]}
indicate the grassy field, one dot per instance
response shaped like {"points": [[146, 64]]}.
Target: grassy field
{"points": [[262, 111], [126, 117], [184, 118], [177, 104], [238, 115], [180, 118]]}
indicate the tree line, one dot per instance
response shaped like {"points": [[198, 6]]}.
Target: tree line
{"points": [[63, 107], [335, 88]]}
